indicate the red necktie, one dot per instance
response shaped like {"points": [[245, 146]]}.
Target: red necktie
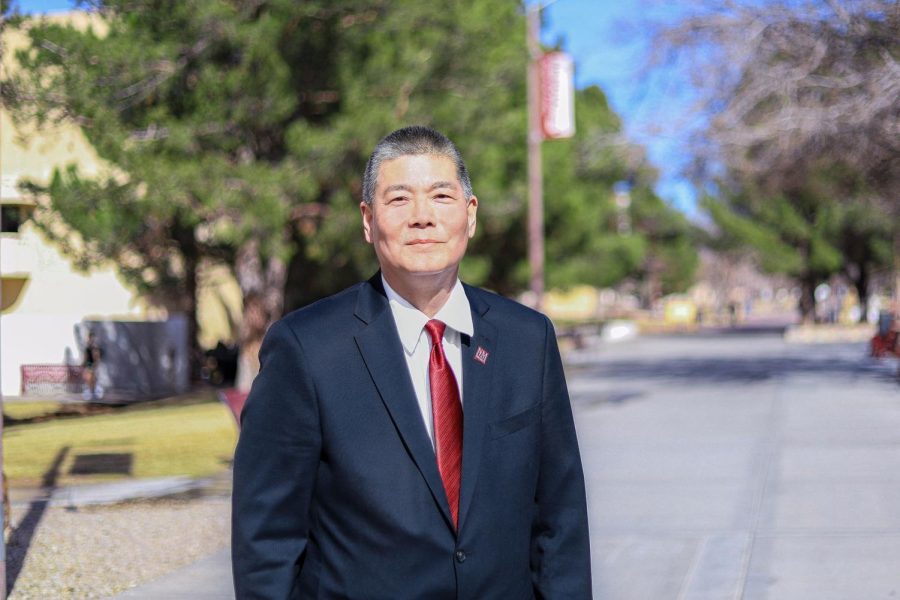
{"points": [[448, 417]]}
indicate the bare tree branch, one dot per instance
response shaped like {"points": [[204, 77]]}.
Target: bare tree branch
{"points": [[782, 82]]}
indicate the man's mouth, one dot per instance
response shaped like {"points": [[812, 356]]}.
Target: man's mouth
{"points": [[421, 242]]}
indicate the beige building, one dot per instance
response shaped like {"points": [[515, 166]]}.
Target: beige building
{"points": [[44, 299]]}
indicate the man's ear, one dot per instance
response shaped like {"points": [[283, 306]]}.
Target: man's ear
{"points": [[472, 210], [366, 211]]}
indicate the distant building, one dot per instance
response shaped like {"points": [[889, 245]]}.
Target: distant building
{"points": [[46, 304]]}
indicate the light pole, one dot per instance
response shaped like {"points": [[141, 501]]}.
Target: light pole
{"points": [[551, 115]]}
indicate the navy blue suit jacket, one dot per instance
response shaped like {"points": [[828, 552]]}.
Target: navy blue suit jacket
{"points": [[336, 488]]}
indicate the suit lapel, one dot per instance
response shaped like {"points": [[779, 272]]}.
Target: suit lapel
{"points": [[478, 371], [382, 352]]}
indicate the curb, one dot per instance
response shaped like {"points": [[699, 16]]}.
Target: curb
{"points": [[119, 491]]}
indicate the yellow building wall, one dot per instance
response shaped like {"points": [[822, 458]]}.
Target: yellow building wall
{"points": [[43, 297], [219, 306]]}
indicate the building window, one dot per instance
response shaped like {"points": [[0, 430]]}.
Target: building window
{"points": [[10, 218]]}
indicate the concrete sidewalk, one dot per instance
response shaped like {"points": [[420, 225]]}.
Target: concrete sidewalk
{"points": [[109, 493], [206, 579], [740, 467], [720, 468]]}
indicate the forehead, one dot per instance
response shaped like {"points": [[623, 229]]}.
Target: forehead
{"points": [[417, 170]]}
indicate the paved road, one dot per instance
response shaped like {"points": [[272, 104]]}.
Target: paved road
{"points": [[722, 468], [740, 467]]}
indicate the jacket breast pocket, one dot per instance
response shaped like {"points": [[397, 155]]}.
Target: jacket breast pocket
{"points": [[516, 422]]}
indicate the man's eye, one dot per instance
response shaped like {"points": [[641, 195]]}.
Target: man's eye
{"points": [[397, 199]]}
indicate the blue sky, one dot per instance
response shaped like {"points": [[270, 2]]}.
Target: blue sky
{"points": [[608, 43]]}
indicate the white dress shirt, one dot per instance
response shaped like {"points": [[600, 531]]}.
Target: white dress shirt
{"points": [[410, 322]]}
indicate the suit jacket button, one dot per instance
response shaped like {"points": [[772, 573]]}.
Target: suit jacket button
{"points": [[460, 556]]}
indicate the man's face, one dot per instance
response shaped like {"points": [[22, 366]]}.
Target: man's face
{"points": [[420, 220]]}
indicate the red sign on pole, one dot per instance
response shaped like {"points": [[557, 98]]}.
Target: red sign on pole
{"points": [[557, 95]]}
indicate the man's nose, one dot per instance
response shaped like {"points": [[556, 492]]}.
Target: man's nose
{"points": [[422, 214]]}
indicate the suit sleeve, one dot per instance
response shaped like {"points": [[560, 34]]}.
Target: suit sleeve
{"points": [[275, 467], [560, 550]]}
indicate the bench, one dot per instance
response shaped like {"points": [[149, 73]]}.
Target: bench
{"points": [[49, 380], [234, 399], [886, 344]]}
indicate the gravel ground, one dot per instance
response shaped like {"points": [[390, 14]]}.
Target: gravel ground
{"points": [[98, 551]]}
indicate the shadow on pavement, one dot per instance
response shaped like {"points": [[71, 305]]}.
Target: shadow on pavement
{"points": [[21, 537], [119, 463], [609, 397], [732, 370]]}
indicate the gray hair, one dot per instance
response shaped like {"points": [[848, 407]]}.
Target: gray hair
{"points": [[412, 140]]}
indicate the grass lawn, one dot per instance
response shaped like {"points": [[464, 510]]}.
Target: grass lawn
{"points": [[196, 439], [29, 410]]}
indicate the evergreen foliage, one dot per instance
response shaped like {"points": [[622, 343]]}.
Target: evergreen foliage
{"points": [[237, 132]]}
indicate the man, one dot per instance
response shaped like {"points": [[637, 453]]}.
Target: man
{"points": [[90, 368], [411, 437]]}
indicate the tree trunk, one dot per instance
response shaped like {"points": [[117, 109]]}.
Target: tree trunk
{"points": [[807, 300], [262, 286], [653, 281], [254, 323], [195, 352], [187, 244], [861, 283]]}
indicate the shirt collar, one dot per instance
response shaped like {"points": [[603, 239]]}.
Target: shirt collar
{"points": [[456, 314]]}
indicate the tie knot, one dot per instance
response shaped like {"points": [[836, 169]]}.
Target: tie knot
{"points": [[435, 329]]}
